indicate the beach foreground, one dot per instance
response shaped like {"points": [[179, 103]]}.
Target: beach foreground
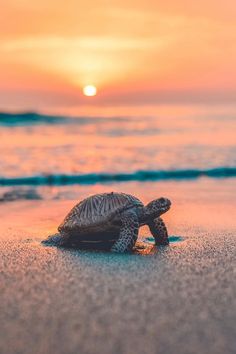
{"points": [[178, 299]]}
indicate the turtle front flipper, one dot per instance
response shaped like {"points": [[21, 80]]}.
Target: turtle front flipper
{"points": [[57, 239], [128, 232], [159, 231]]}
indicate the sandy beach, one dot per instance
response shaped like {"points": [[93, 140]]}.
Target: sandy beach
{"points": [[179, 299]]}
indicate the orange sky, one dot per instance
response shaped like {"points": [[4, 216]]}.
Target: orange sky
{"points": [[134, 51]]}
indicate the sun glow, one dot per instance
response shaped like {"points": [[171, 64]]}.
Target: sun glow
{"points": [[90, 90]]}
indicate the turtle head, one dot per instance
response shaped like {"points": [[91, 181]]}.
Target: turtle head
{"points": [[157, 207]]}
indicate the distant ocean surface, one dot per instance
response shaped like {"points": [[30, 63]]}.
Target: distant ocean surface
{"points": [[39, 149]]}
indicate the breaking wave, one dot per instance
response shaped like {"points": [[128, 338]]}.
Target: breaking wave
{"points": [[33, 118], [28, 118], [142, 176]]}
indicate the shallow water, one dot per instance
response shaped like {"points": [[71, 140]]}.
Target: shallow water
{"points": [[48, 150], [172, 239]]}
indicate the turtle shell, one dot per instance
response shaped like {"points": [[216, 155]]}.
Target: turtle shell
{"points": [[97, 210]]}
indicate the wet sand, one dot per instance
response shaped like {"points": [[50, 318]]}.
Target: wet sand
{"points": [[178, 299]]}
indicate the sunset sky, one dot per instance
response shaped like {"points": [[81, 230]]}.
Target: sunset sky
{"points": [[133, 51]]}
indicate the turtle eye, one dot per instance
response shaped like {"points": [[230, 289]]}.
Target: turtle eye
{"points": [[162, 200]]}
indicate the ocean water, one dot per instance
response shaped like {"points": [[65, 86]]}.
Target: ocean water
{"points": [[50, 150]]}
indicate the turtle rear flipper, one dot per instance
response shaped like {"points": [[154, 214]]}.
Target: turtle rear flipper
{"points": [[54, 240]]}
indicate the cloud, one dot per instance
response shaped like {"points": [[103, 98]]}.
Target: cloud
{"points": [[153, 47]]}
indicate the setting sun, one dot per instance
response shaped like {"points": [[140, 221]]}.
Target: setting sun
{"points": [[90, 90]]}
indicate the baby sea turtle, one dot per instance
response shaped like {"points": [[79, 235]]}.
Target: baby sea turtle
{"points": [[111, 220]]}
